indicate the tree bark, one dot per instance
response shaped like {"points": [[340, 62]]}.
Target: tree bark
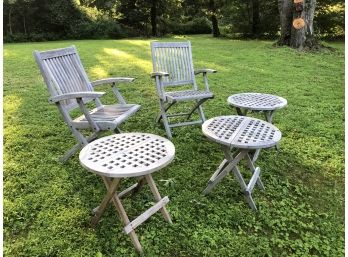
{"points": [[255, 28], [297, 38], [10, 20], [215, 25], [214, 20], [153, 14], [24, 25]]}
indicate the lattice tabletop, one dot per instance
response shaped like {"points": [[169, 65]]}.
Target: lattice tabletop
{"points": [[256, 101], [241, 132], [127, 155]]}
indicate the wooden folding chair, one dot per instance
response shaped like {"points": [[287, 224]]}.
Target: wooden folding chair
{"points": [[70, 88], [173, 67]]}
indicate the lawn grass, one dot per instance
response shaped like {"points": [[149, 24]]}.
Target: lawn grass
{"points": [[47, 205]]}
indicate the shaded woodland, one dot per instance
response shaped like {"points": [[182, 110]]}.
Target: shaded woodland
{"points": [[41, 20]]}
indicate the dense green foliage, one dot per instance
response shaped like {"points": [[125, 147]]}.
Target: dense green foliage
{"points": [[39, 20], [47, 205]]}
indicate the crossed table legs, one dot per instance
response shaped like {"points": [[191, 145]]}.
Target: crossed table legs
{"points": [[230, 164], [112, 195]]}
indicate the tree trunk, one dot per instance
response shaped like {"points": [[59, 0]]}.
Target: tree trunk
{"points": [[10, 20], [255, 28], [215, 25], [24, 25], [300, 37], [214, 20], [153, 14]]}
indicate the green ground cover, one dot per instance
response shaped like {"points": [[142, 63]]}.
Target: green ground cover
{"points": [[47, 205]]}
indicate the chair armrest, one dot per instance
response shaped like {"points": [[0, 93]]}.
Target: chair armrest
{"points": [[75, 95], [159, 74], [205, 71], [112, 80]]}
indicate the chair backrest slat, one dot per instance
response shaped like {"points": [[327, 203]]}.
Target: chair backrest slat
{"points": [[63, 73], [174, 58]]}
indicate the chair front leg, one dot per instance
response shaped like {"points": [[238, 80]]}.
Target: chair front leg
{"points": [[165, 119], [159, 117]]}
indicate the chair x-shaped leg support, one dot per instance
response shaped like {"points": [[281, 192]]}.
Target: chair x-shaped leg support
{"points": [[130, 226], [230, 164]]}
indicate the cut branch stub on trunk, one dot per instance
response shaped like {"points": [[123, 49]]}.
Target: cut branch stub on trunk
{"points": [[298, 23]]}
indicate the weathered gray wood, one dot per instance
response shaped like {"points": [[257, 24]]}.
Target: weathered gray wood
{"points": [[163, 114], [111, 81], [127, 191], [139, 155], [180, 124], [227, 168], [128, 155], [67, 82], [158, 197], [189, 95], [123, 215], [75, 95], [145, 215], [239, 178], [250, 163], [269, 116], [110, 193], [118, 94], [242, 134], [195, 107], [178, 114], [159, 74], [253, 180], [173, 67], [241, 112], [256, 155], [205, 71], [256, 102]]}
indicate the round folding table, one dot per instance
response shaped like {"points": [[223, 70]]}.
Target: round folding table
{"points": [[242, 135], [265, 103], [128, 155]]}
